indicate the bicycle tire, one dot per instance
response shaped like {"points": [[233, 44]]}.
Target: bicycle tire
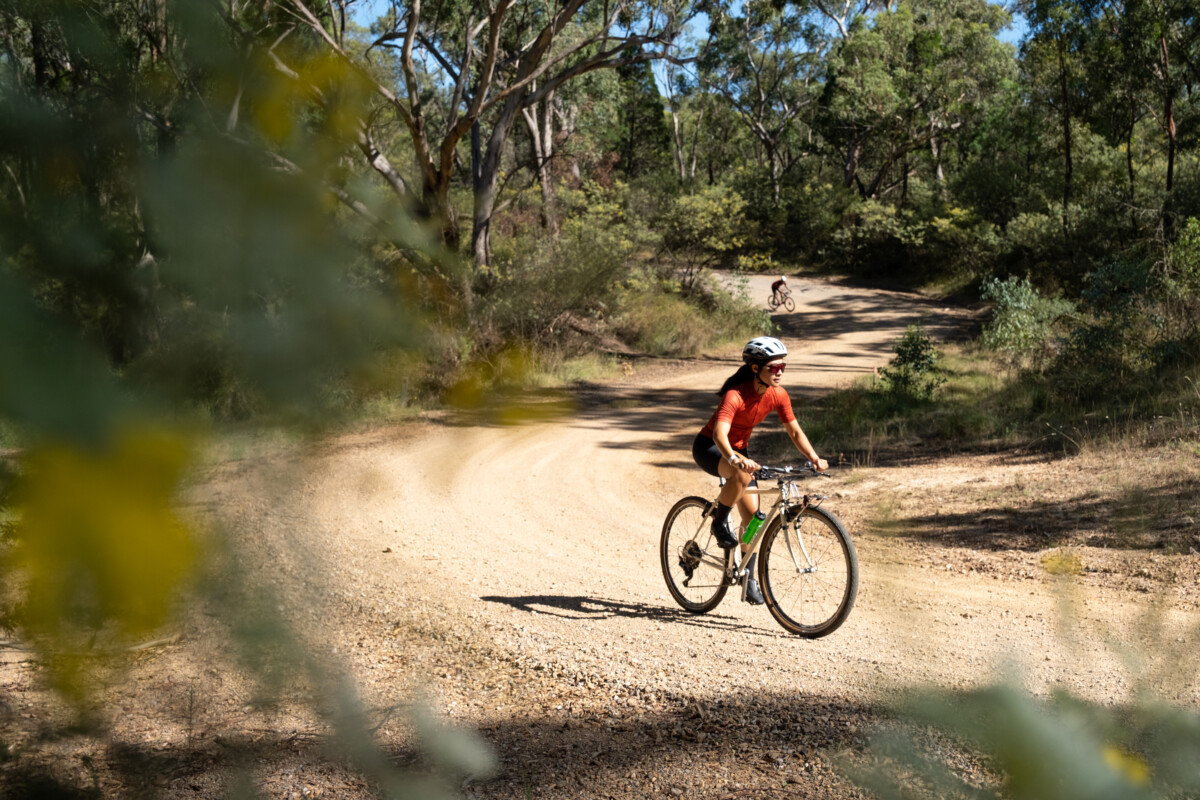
{"points": [[789, 303], [704, 589], [807, 600], [772, 303]]}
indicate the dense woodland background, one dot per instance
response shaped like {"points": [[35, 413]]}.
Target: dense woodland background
{"points": [[191, 185]]}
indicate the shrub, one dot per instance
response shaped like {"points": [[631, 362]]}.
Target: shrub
{"points": [[663, 320], [701, 228], [572, 277], [913, 372], [1023, 319], [1181, 268]]}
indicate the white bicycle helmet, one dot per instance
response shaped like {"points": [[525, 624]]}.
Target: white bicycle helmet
{"points": [[783, 278], [762, 350]]}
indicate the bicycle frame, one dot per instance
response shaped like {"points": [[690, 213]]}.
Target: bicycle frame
{"points": [[786, 495]]}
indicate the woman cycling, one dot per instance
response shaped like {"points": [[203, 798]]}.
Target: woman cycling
{"points": [[779, 289], [747, 396]]}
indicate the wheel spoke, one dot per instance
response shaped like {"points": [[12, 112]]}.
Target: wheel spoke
{"points": [[688, 546], [810, 572]]}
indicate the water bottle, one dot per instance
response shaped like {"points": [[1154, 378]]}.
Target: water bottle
{"points": [[752, 527]]}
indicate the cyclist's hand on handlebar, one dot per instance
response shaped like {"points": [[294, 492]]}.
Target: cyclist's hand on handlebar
{"points": [[820, 465], [748, 465]]}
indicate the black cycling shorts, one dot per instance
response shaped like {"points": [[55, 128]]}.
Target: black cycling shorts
{"points": [[708, 455]]}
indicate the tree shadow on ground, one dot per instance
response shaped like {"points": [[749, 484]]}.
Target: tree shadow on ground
{"points": [[753, 744], [586, 609], [1137, 518]]}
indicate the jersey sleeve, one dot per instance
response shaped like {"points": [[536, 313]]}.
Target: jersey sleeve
{"points": [[731, 403], [783, 407]]}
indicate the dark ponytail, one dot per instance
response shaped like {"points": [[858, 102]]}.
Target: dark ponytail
{"points": [[743, 375]]}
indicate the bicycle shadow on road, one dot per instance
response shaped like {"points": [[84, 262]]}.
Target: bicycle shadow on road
{"points": [[583, 608]]}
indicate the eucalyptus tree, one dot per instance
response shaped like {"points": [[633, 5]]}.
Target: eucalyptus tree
{"points": [[1052, 61], [906, 82], [767, 62], [1158, 42], [681, 90], [496, 57]]}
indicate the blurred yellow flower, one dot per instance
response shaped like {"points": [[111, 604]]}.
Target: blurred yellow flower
{"points": [[97, 538], [1131, 765]]}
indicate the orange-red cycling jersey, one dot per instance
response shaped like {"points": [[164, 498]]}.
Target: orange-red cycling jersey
{"points": [[743, 408]]}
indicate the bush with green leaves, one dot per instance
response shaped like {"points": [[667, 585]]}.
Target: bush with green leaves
{"points": [[1181, 266], [913, 372], [574, 276], [1128, 333], [925, 241], [1023, 319], [700, 229], [658, 316]]}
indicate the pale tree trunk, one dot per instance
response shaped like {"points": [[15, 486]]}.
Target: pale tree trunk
{"points": [[850, 164], [677, 139], [935, 148], [158, 28], [485, 183], [695, 138], [776, 171], [567, 115], [539, 118]]}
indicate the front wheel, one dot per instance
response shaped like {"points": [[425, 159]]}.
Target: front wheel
{"points": [[809, 573], [692, 563], [789, 303]]}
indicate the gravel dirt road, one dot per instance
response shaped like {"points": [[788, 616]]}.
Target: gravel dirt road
{"points": [[510, 575]]}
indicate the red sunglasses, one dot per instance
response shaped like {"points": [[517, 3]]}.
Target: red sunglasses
{"points": [[775, 369]]}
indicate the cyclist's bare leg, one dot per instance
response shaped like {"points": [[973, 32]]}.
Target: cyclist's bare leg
{"points": [[736, 481], [734, 492]]}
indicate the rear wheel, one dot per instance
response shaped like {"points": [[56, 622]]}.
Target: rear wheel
{"points": [[772, 302], [692, 563], [809, 573]]}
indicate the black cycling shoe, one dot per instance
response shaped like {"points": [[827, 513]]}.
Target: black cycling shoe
{"points": [[752, 595], [750, 590], [726, 538]]}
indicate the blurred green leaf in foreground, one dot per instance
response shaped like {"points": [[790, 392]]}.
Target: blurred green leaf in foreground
{"points": [[179, 240], [1000, 742]]}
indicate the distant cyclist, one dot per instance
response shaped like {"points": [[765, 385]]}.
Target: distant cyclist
{"points": [[780, 289], [747, 396]]}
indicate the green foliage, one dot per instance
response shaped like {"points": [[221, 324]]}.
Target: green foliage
{"points": [[570, 279], [1181, 267], [170, 236], [670, 321], [1064, 747], [641, 137], [923, 243], [702, 228], [757, 263], [1023, 320], [913, 372]]}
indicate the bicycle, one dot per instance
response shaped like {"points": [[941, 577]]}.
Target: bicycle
{"points": [[775, 300], [807, 568]]}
